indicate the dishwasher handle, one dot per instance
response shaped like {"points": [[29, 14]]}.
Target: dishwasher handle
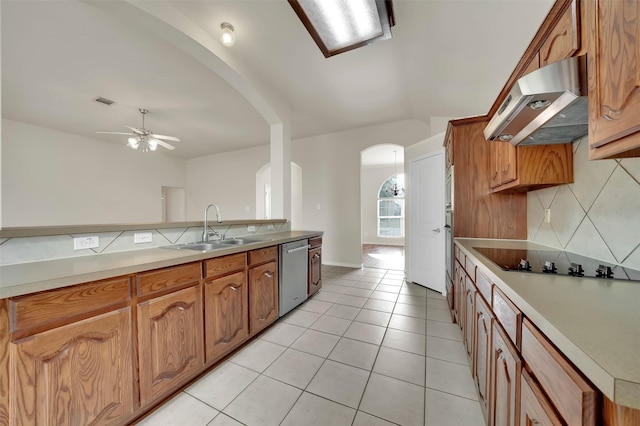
{"points": [[298, 249]]}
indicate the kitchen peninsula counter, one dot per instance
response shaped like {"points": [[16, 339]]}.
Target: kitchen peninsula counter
{"points": [[595, 323], [32, 277]]}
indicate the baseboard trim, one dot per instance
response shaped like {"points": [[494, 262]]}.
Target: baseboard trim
{"points": [[346, 265]]}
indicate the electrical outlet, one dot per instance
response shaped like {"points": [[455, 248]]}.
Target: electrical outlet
{"points": [[547, 215], [142, 237], [82, 243], [251, 228]]}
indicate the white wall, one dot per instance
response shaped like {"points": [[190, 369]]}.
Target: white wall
{"points": [[56, 178], [228, 180], [331, 181], [263, 177], [371, 178]]}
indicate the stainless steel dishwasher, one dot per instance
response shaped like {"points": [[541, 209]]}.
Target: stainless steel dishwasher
{"points": [[294, 260]]}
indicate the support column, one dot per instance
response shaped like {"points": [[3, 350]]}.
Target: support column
{"points": [[280, 171]]}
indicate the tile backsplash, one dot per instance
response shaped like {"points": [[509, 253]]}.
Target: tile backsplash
{"points": [[32, 249], [597, 216]]}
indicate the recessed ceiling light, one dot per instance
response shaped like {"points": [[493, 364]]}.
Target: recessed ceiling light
{"points": [[338, 26]]}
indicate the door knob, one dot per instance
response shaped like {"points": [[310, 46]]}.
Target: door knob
{"points": [[436, 230]]}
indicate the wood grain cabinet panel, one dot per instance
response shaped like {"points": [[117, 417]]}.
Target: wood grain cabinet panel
{"points": [[220, 266], [263, 296], [503, 162], [482, 351], [614, 79], [263, 255], [508, 314], [226, 313], [77, 374], [504, 391], [469, 319], [170, 341], [564, 39], [315, 271], [166, 279], [574, 398], [534, 407]]}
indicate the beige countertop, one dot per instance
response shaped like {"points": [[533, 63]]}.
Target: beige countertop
{"points": [[594, 322], [26, 278]]}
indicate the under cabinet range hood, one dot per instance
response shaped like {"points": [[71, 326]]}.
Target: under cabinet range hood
{"points": [[546, 106]]}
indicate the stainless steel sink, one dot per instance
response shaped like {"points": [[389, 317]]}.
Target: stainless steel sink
{"points": [[205, 246]]}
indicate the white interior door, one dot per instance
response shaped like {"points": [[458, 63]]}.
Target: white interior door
{"points": [[427, 216]]}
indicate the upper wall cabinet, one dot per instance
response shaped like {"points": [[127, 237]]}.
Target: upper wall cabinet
{"points": [[614, 79], [564, 39]]}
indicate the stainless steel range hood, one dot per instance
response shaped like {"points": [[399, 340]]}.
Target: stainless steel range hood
{"points": [[545, 106]]}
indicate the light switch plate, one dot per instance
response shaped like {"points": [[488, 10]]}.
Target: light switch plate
{"points": [[82, 243], [142, 237]]}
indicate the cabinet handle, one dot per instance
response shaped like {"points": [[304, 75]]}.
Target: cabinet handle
{"points": [[234, 288], [269, 274]]}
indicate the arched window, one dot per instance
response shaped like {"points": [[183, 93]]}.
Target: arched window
{"points": [[391, 208]]}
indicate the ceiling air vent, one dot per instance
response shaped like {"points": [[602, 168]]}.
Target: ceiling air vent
{"points": [[104, 100]]}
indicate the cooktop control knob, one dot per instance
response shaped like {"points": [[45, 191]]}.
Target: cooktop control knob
{"points": [[576, 270], [524, 266], [549, 268], [604, 272]]}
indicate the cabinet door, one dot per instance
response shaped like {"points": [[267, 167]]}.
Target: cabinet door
{"points": [[263, 296], [494, 164], [563, 41], [469, 316], [534, 407], [78, 374], [458, 284], [170, 341], [484, 320], [503, 163], [614, 76], [226, 314], [504, 391], [315, 270]]}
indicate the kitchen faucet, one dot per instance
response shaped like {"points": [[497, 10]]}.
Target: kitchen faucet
{"points": [[206, 233]]}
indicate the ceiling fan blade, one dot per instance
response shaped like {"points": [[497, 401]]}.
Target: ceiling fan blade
{"points": [[135, 130], [115, 133], [169, 138], [165, 145]]}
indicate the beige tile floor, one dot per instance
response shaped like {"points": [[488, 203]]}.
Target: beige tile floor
{"points": [[368, 349]]}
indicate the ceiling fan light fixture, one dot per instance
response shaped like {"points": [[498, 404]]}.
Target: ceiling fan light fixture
{"points": [[133, 143], [228, 36], [338, 26]]}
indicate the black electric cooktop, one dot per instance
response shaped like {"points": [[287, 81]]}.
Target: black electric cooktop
{"points": [[556, 262]]}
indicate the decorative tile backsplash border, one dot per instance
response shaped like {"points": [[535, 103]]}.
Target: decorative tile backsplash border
{"points": [[32, 249], [597, 216]]}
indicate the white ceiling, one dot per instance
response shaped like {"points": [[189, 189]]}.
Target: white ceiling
{"points": [[447, 58]]}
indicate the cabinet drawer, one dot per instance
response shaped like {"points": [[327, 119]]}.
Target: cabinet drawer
{"points": [[484, 286], [263, 255], [56, 305], [167, 278], [574, 398], [224, 265], [508, 315], [470, 267], [315, 242]]}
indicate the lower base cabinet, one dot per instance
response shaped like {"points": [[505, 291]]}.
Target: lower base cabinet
{"points": [[77, 374], [482, 368], [263, 296], [504, 390], [534, 407], [315, 270], [226, 313], [170, 343]]}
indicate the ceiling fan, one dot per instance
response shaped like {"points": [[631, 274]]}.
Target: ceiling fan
{"points": [[145, 138]]}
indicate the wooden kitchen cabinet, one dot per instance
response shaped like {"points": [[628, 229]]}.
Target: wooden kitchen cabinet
{"points": [[504, 388], [226, 313], [469, 316], [482, 351], [170, 341], [315, 266], [564, 39], [263, 288], [458, 284], [527, 168], [614, 83], [77, 374], [503, 163], [534, 407]]}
